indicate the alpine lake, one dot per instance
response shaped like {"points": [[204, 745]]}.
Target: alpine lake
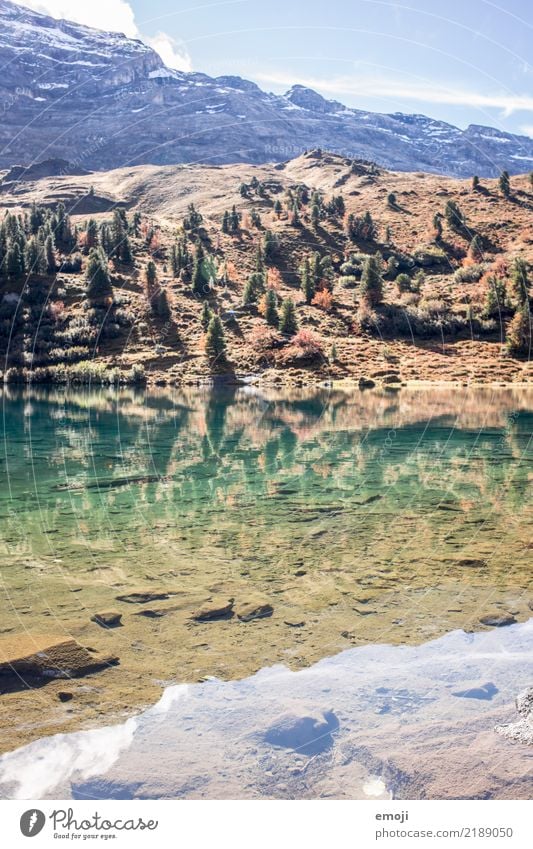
{"points": [[296, 593]]}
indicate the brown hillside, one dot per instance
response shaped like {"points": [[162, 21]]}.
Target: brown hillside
{"points": [[441, 332]]}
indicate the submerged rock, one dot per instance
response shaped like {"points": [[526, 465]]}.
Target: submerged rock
{"points": [[307, 735], [481, 691], [521, 731], [49, 656]]}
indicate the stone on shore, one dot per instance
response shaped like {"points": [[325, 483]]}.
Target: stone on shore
{"points": [[498, 620], [521, 731]]}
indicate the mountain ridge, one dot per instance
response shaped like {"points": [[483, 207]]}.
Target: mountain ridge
{"points": [[103, 101]]}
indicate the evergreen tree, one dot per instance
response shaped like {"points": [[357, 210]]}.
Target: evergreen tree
{"points": [[437, 226], [174, 261], [496, 299], [234, 219], [295, 216], [306, 281], [117, 233], [199, 281], [371, 282], [14, 261], [475, 250], [475, 183], [225, 222], [150, 276], [193, 220], [51, 265], [271, 308], [34, 258], [519, 280], [106, 240], [255, 285], [505, 184], [259, 263], [288, 323], [206, 316], [277, 208], [215, 345], [98, 281], [453, 215], [91, 234], [315, 216], [391, 200], [125, 253], [160, 305], [270, 245], [249, 295], [136, 223], [519, 332]]}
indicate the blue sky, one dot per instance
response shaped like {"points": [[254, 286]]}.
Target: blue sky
{"points": [[463, 61]]}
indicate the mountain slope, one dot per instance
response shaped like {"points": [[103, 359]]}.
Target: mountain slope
{"points": [[104, 101]]}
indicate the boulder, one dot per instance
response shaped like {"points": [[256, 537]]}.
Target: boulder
{"points": [[143, 596], [49, 656], [253, 609], [108, 619], [214, 609], [521, 731], [498, 620]]}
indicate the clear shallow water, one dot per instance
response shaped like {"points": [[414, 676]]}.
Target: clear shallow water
{"points": [[363, 520], [372, 722]]}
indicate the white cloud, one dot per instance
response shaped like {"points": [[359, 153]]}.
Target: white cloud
{"points": [[173, 53], [395, 89], [527, 130], [114, 16]]}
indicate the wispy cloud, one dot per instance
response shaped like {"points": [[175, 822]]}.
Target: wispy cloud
{"points": [[115, 16], [397, 89]]}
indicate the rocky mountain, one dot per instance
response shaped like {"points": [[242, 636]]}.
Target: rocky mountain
{"points": [[101, 100]]}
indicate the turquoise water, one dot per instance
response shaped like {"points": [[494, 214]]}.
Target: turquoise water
{"points": [[359, 519]]}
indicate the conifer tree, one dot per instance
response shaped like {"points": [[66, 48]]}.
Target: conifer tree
{"points": [[371, 282], [288, 323], [51, 265], [198, 276], [206, 316], [98, 281], [271, 308], [215, 345], [519, 280], [306, 281], [505, 184], [150, 276]]}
